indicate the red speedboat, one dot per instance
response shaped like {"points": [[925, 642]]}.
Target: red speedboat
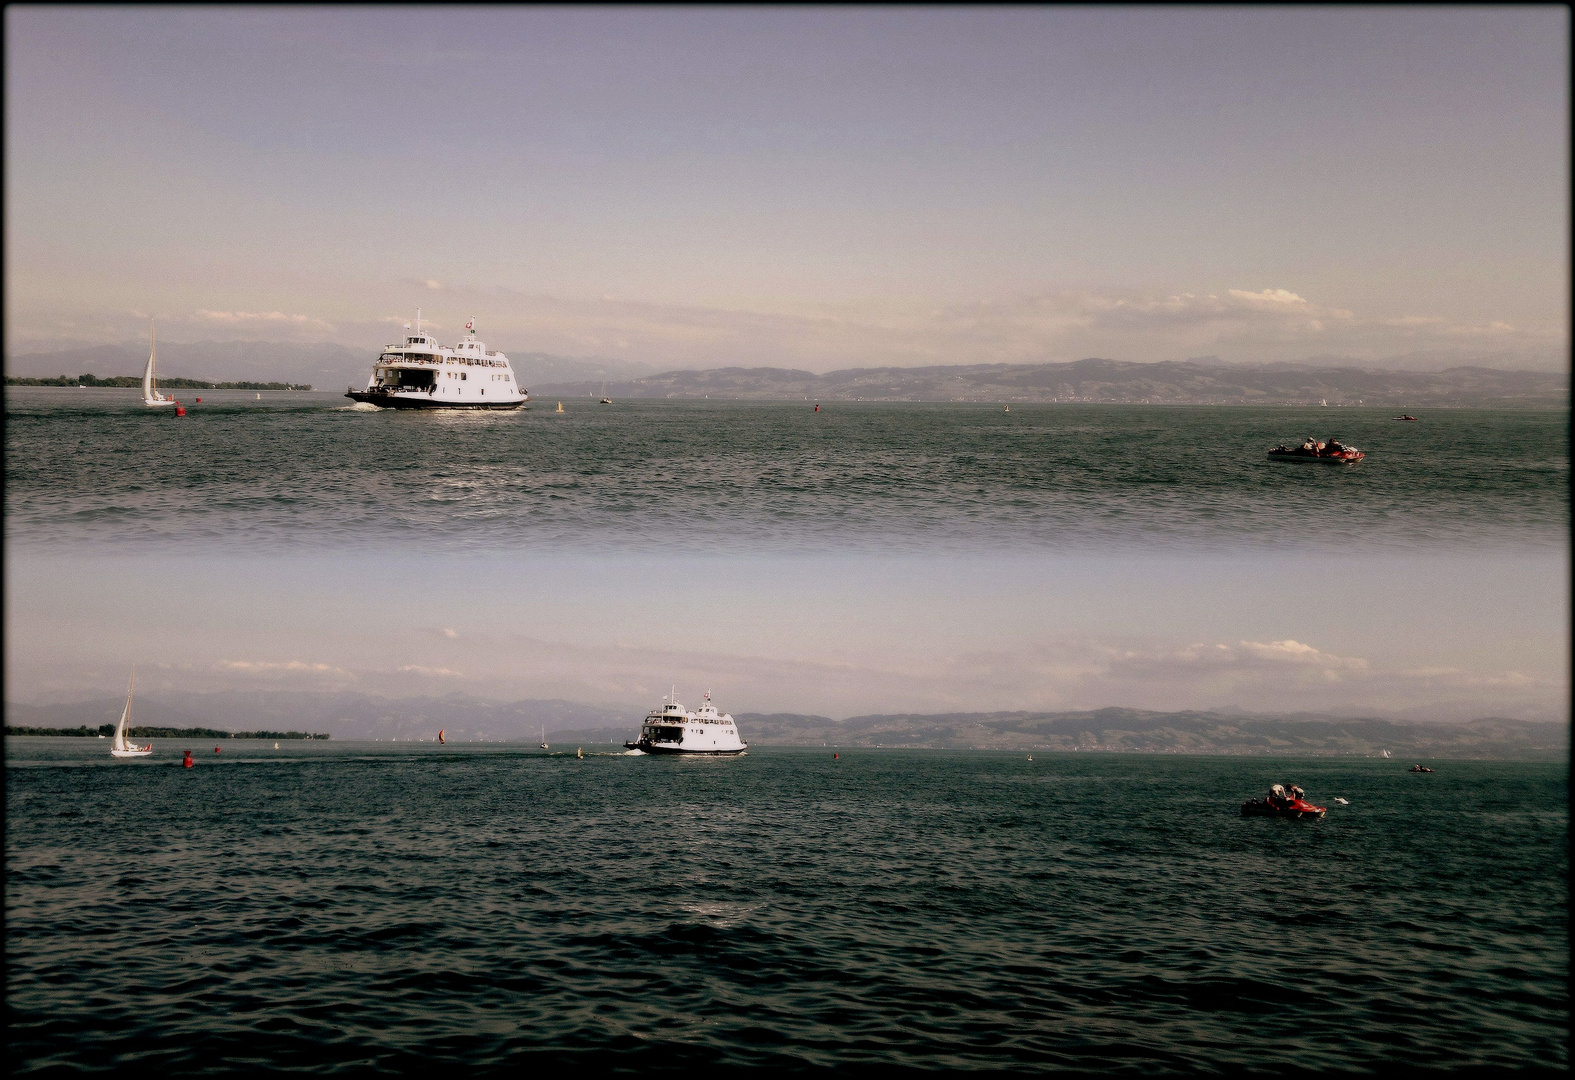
{"points": [[1345, 455], [1291, 808]]}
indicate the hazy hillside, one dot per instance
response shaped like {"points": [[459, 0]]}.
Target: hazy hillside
{"points": [[344, 715], [1183, 732], [348, 715], [326, 366], [1096, 380]]}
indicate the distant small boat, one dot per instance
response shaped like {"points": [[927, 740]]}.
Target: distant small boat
{"points": [[441, 739], [259, 397], [1322, 402], [560, 406], [120, 747], [605, 399], [1402, 417], [1007, 409], [150, 383], [579, 752], [544, 736]]}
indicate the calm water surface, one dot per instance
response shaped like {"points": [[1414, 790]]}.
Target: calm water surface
{"points": [[96, 467], [372, 907]]}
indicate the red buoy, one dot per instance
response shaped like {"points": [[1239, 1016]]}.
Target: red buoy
{"points": [[189, 763], [199, 401], [180, 410], [817, 406], [834, 757], [215, 749]]}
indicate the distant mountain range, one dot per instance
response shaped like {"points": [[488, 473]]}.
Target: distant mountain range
{"points": [[1180, 382], [1158, 732], [349, 715], [1203, 381]]}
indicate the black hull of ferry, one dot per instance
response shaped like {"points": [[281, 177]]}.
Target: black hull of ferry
{"points": [[395, 401], [669, 751]]}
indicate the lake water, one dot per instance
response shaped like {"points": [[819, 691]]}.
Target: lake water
{"points": [[397, 906], [305, 470], [348, 907]]}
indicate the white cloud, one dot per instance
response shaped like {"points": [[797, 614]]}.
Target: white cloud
{"points": [[1269, 296], [1248, 322], [242, 317], [267, 667]]}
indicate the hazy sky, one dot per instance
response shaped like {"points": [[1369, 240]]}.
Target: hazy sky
{"points": [[1419, 636], [803, 187]]}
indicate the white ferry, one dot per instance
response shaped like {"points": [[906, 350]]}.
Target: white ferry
{"points": [[671, 730], [421, 374]]}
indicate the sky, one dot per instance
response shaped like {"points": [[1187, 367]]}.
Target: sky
{"points": [[798, 187], [1407, 635], [818, 188]]}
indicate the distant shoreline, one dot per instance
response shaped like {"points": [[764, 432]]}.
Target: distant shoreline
{"points": [[106, 730], [91, 382]]}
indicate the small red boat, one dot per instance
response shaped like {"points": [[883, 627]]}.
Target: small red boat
{"points": [[1291, 808], [1345, 455]]}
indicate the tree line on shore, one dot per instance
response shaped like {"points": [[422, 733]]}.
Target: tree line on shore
{"points": [[136, 380], [85, 732]]}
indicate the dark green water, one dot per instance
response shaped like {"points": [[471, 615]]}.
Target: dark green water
{"points": [[96, 467], [379, 907]]}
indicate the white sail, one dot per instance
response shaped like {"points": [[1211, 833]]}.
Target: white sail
{"points": [[125, 716], [120, 747], [150, 384], [147, 372]]}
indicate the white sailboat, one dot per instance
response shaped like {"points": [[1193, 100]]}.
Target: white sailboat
{"points": [[120, 747], [544, 736], [150, 384], [605, 399]]}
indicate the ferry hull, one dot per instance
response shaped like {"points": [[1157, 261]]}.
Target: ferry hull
{"points": [[677, 751], [422, 401]]}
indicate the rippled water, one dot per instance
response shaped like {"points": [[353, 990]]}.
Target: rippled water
{"points": [[97, 467], [377, 906]]}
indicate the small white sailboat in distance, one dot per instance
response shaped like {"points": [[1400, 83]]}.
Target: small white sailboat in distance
{"points": [[605, 399], [544, 736], [150, 384], [120, 747]]}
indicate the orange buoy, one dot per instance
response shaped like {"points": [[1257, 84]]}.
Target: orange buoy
{"points": [[180, 410], [817, 406], [215, 749], [189, 763], [834, 757]]}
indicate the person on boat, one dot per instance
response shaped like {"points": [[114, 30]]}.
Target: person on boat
{"points": [[1277, 796], [1309, 446], [1296, 793], [1335, 446]]}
